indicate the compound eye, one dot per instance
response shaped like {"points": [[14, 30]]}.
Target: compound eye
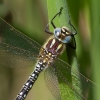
{"points": [[57, 32], [67, 39]]}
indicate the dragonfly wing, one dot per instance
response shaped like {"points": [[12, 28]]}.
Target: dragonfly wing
{"points": [[52, 82], [13, 37], [67, 90], [61, 86], [54, 79], [15, 57], [16, 49], [80, 86]]}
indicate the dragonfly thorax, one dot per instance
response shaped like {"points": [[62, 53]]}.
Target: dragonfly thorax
{"points": [[54, 46], [50, 51], [46, 57], [63, 34]]}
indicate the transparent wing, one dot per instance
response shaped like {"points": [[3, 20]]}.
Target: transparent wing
{"points": [[15, 57], [16, 49], [77, 88], [52, 82], [52, 78]]}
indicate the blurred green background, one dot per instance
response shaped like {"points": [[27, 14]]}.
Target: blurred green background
{"points": [[31, 17]]}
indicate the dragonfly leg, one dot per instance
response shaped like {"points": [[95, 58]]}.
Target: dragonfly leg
{"points": [[75, 32], [59, 13], [46, 29], [74, 45]]}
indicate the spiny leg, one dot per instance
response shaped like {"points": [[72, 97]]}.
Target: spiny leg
{"points": [[73, 46], [75, 32], [46, 29], [59, 13]]}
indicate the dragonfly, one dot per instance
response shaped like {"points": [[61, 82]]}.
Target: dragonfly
{"points": [[19, 51]]}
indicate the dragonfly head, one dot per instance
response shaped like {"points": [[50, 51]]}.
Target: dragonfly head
{"points": [[63, 34]]}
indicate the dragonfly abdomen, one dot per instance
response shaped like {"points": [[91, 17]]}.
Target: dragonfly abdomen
{"points": [[31, 80]]}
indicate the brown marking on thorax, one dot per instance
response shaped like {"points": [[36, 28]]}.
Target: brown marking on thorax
{"points": [[50, 51]]}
